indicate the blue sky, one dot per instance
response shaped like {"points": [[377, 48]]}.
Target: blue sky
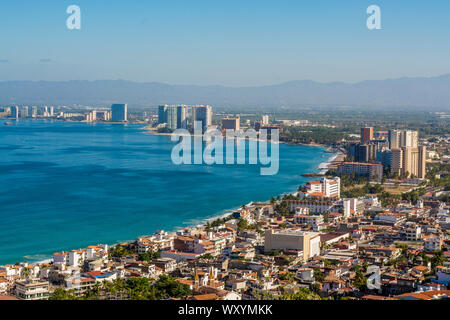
{"points": [[235, 43]]}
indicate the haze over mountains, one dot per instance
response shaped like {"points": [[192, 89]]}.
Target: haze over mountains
{"points": [[433, 92]]}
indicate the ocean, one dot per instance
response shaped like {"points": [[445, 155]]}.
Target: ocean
{"points": [[66, 185]]}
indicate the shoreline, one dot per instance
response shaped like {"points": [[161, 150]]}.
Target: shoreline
{"points": [[70, 121], [44, 259], [154, 132]]}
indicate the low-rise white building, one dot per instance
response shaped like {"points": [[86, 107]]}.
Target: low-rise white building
{"points": [[316, 222], [413, 233], [315, 207], [307, 242], [433, 244], [390, 218], [32, 289]]}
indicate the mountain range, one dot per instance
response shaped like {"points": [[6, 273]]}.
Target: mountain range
{"points": [[431, 92]]}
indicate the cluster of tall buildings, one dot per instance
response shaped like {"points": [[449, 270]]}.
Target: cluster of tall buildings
{"points": [[370, 146], [397, 149], [182, 116], [98, 115], [118, 113]]}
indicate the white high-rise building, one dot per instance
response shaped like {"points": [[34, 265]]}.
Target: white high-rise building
{"points": [[332, 187], [329, 188], [74, 258]]}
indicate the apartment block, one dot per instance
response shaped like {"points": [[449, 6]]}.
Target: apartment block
{"points": [[202, 114], [307, 242], [329, 188], [366, 134], [409, 161], [315, 222], [374, 171], [231, 123], [32, 289]]}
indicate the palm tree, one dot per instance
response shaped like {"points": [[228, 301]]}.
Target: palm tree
{"points": [[106, 289], [96, 289], [25, 273], [120, 285]]}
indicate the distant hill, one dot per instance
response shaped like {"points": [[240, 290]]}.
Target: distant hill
{"points": [[406, 92]]}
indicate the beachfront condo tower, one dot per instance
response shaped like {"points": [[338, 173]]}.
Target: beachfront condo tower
{"points": [[119, 113]]}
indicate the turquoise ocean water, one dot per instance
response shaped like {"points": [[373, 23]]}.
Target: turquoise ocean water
{"points": [[68, 185]]}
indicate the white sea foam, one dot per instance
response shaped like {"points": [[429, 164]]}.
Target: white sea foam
{"points": [[38, 259]]}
